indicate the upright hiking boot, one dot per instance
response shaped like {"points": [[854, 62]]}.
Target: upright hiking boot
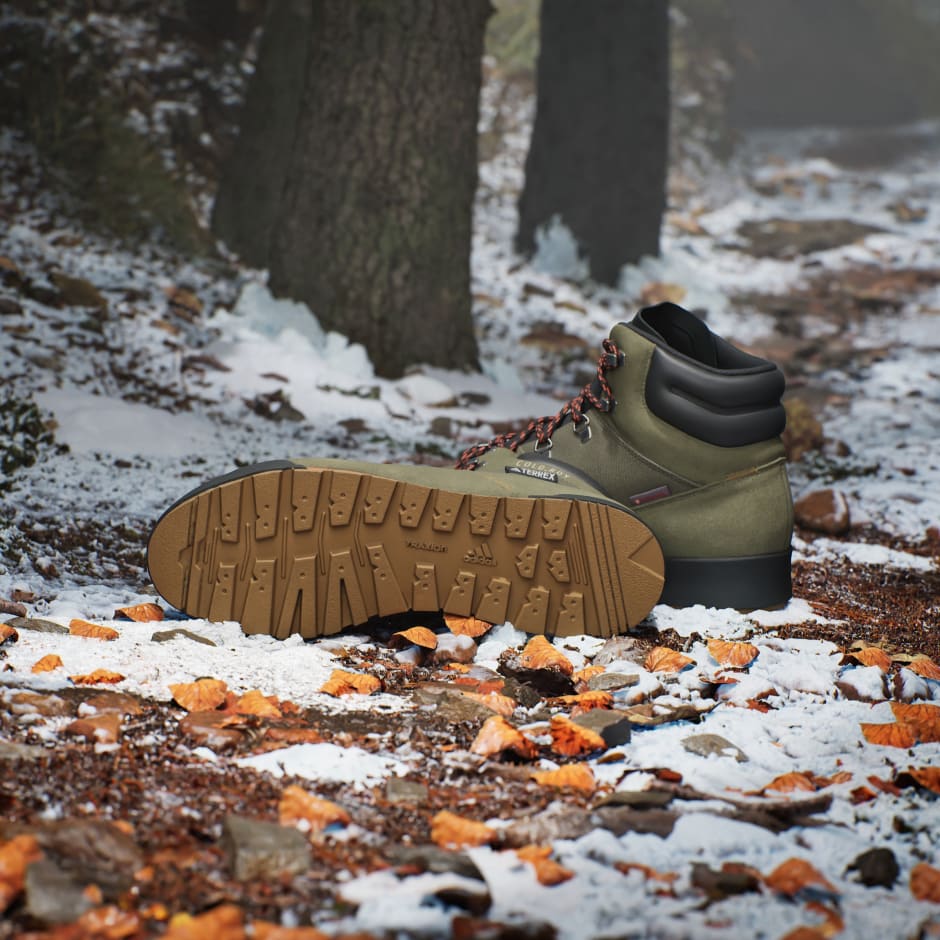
{"points": [[684, 428], [311, 547]]}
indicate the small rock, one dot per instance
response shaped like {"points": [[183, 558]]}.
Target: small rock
{"points": [[862, 684], [37, 625], [77, 292], [54, 895], [164, 636], [876, 868], [638, 799], [557, 821], [547, 682], [102, 729], [12, 607], [452, 706], [823, 511], [442, 426], [452, 648], [10, 750], [108, 701], [98, 851], [398, 790], [721, 884], [707, 744], [523, 693], [49, 706], [609, 681], [613, 726], [429, 858], [619, 648], [475, 902], [211, 729], [263, 851], [622, 819]]}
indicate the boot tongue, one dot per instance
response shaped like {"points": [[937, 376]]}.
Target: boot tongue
{"points": [[679, 329]]}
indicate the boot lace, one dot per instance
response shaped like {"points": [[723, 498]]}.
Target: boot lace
{"points": [[543, 428]]}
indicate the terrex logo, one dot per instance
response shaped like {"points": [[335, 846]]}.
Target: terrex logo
{"points": [[548, 476], [480, 556]]}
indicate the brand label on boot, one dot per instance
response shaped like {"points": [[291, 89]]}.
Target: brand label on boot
{"points": [[548, 476], [480, 556]]}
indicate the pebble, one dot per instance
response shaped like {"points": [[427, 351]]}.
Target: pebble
{"points": [[608, 681], [877, 868], [707, 744], [164, 636], [263, 851], [430, 858], [398, 790], [54, 895], [612, 725], [824, 511], [37, 625]]}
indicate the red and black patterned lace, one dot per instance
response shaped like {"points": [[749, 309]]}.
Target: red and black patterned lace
{"points": [[543, 428]]}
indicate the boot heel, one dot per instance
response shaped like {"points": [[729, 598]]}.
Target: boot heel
{"points": [[748, 582]]}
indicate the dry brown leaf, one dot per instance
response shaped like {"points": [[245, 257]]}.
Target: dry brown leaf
{"points": [[342, 682], [588, 672], [792, 782], [663, 659], [283, 736], [98, 676], [225, 922], [467, 626], [7, 633], [94, 631], [109, 923], [547, 871], [497, 735], [203, 695], [15, 856], [794, 875], [49, 662], [450, 831], [651, 874], [298, 806], [254, 702], [926, 777], [573, 740], [923, 719], [420, 636], [596, 698], [501, 704], [103, 729], [924, 666], [732, 653], [871, 656], [539, 653], [891, 734], [264, 930], [925, 882], [579, 776], [140, 613], [841, 776]]}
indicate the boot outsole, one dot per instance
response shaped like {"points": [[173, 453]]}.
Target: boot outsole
{"points": [[313, 551]]}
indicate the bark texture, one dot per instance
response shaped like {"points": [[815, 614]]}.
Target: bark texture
{"points": [[374, 230], [598, 154]]}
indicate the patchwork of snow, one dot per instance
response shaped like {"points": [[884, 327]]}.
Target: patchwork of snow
{"points": [[327, 762]]}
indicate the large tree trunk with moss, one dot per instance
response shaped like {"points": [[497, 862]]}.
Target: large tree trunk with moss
{"points": [[374, 202], [598, 157]]}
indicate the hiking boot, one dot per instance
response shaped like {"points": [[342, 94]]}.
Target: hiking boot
{"points": [[311, 547], [684, 428]]}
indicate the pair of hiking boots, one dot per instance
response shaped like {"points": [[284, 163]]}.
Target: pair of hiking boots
{"points": [[663, 480]]}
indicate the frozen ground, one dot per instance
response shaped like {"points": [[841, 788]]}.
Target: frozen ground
{"points": [[187, 370]]}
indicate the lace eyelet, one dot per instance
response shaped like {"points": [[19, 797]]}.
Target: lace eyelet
{"points": [[541, 446], [582, 429]]}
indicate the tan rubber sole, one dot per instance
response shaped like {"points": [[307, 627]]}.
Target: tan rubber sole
{"points": [[312, 551]]}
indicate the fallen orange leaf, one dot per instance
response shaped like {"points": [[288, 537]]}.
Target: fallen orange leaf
{"points": [[547, 871], [579, 776], [49, 662], [450, 831], [788, 783], [927, 777], [924, 666], [293, 735], [203, 695], [925, 882], [497, 735], [892, 734], [254, 702], [596, 698], [109, 923], [15, 856], [572, 740], [663, 659], [298, 806], [872, 656], [540, 654], [93, 631], [7, 633], [794, 875], [467, 626], [728, 653], [225, 922], [342, 682], [420, 636], [263, 930], [501, 704], [458, 667], [103, 729], [650, 873], [141, 613], [923, 719], [103, 676], [588, 672]]}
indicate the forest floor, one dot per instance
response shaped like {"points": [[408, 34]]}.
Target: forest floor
{"points": [[781, 775]]}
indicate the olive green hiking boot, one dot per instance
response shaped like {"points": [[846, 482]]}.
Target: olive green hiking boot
{"points": [[684, 428], [311, 547]]}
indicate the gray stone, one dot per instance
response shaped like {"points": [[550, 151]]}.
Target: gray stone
{"points": [[54, 895], [95, 850], [612, 725], [398, 790], [263, 850], [622, 819], [430, 858], [609, 681], [474, 900], [556, 821], [10, 750], [707, 744], [638, 799], [164, 636], [876, 868], [617, 648], [37, 625]]}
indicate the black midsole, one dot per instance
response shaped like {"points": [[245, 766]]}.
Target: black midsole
{"points": [[747, 582]]}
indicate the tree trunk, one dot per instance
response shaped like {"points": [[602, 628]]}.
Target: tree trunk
{"points": [[248, 203], [374, 228], [598, 155]]}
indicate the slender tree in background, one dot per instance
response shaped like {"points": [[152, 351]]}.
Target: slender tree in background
{"points": [[354, 174], [598, 156]]}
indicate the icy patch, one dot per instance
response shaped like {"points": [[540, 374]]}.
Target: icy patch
{"points": [[327, 762], [862, 553], [707, 621], [797, 610]]}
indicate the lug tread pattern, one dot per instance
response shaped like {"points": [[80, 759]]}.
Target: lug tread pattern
{"points": [[313, 551]]}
